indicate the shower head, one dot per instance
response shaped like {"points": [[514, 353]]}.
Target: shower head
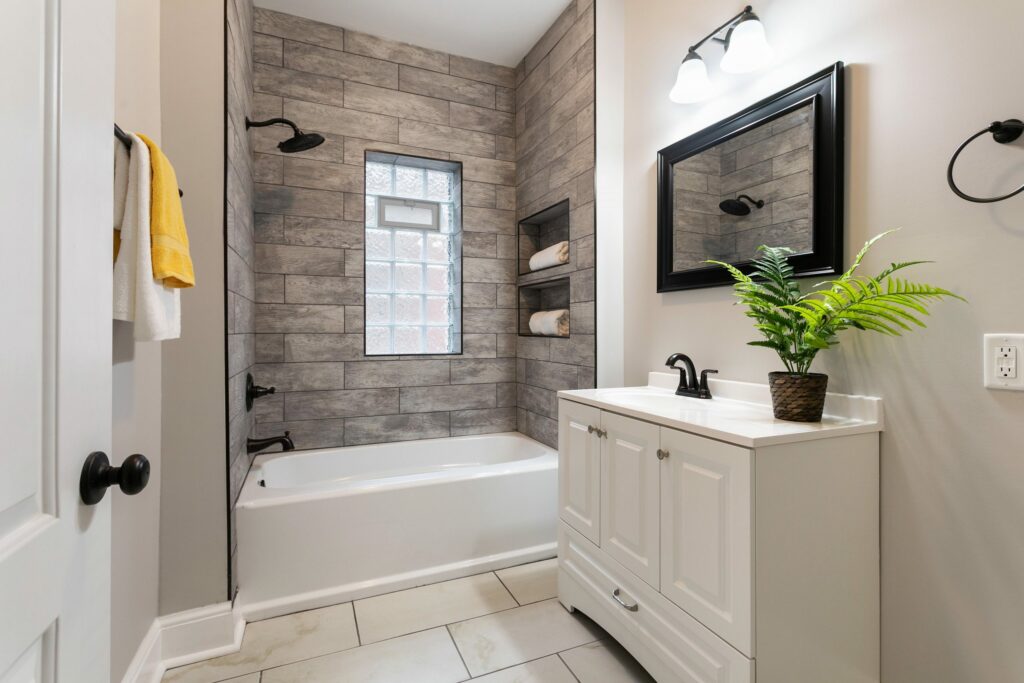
{"points": [[299, 142], [736, 207]]}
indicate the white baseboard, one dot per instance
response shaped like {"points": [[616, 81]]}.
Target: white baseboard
{"points": [[183, 638]]}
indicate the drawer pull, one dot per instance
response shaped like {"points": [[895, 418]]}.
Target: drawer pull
{"points": [[662, 454], [632, 608]]}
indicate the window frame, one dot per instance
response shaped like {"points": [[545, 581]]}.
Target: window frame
{"points": [[456, 325], [433, 206]]}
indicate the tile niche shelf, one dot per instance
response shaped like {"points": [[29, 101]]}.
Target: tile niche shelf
{"points": [[540, 231], [543, 295]]}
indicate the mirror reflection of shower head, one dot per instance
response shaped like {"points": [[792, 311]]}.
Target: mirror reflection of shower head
{"points": [[735, 207], [299, 142]]}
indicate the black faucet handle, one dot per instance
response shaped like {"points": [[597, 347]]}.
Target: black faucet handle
{"points": [[704, 382]]}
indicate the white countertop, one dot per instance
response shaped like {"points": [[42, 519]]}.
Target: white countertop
{"points": [[739, 413]]}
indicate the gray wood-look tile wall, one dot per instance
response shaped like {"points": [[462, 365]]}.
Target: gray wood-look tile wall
{"points": [[241, 258], [525, 138], [554, 130], [366, 93]]}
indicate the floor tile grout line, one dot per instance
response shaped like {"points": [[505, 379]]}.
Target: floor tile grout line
{"points": [[458, 651], [355, 620], [505, 586], [571, 672], [528, 661]]}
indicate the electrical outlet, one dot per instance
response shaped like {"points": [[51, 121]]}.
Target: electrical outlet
{"points": [[1003, 355]]}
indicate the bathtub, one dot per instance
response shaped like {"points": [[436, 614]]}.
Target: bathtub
{"points": [[321, 527]]}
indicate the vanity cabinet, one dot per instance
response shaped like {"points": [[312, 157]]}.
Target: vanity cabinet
{"points": [[719, 562]]}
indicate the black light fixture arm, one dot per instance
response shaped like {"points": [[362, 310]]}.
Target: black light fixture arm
{"points": [[271, 122], [746, 10], [1002, 132]]}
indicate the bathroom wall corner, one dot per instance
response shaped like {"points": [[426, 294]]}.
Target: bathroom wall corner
{"points": [[193, 515], [610, 60]]}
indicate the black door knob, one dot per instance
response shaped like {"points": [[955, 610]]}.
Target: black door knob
{"points": [[97, 475]]}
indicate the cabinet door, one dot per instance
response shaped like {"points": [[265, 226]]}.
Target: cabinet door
{"points": [[629, 494], [579, 468], [706, 536]]}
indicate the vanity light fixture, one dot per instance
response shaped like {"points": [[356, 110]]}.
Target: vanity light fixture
{"points": [[746, 49]]}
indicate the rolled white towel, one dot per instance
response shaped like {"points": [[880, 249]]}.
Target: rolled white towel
{"points": [[555, 255], [550, 323]]}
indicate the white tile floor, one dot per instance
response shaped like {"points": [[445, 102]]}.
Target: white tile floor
{"points": [[498, 627]]}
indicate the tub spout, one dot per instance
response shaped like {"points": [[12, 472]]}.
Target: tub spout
{"points": [[257, 445]]}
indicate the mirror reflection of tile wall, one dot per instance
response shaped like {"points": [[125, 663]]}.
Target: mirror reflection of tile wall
{"points": [[772, 163]]}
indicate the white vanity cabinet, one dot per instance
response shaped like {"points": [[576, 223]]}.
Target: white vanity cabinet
{"points": [[717, 544]]}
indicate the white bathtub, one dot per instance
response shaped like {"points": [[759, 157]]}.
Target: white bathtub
{"points": [[320, 527]]}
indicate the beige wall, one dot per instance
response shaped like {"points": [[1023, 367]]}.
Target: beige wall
{"points": [[136, 367], [193, 515], [921, 77]]}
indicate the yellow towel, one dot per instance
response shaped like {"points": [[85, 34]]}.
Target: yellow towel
{"points": [[171, 261]]}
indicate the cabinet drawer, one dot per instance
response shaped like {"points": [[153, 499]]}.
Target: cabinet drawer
{"points": [[683, 646]]}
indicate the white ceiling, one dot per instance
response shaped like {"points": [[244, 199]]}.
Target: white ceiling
{"points": [[496, 31]]}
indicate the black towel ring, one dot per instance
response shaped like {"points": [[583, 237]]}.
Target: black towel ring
{"points": [[1002, 132]]}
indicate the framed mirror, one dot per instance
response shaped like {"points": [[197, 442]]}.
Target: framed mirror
{"points": [[772, 174]]}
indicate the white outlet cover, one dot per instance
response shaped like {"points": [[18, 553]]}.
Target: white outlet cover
{"points": [[1001, 351]]}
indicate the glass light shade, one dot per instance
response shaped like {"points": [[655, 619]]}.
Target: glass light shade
{"points": [[746, 48], [692, 83]]}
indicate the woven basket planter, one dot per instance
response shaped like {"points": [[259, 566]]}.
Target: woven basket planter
{"points": [[796, 397]]}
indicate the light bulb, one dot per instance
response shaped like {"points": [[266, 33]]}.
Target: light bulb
{"points": [[692, 83], [746, 47]]}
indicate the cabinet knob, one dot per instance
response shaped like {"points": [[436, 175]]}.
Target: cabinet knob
{"points": [[662, 454], [601, 433]]}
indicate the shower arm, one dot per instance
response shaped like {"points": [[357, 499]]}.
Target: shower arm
{"points": [[270, 122]]}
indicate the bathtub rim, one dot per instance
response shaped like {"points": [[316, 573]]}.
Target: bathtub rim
{"points": [[253, 496]]}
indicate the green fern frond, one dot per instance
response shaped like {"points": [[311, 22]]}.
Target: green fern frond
{"points": [[798, 326]]}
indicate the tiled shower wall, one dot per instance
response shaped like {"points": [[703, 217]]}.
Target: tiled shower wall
{"points": [[555, 161], [240, 251], [363, 92]]}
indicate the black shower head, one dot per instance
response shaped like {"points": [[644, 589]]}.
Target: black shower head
{"points": [[299, 142], [736, 207]]}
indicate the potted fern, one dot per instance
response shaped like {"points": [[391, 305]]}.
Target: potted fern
{"points": [[797, 326]]}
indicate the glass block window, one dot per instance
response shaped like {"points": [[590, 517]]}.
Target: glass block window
{"points": [[413, 248]]}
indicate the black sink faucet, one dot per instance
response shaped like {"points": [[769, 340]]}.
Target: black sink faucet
{"points": [[257, 445], [688, 385]]}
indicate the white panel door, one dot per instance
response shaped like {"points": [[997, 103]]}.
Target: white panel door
{"points": [[706, 536], [630, 493], [579, 468], [56, 66]]}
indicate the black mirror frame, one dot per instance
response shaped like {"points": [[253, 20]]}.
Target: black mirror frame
{"points": [[824, 90]]}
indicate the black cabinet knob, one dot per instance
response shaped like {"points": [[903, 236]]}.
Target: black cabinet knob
{"points": [[97, 475]]}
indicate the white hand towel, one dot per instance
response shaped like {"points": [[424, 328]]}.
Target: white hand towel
{"points": [[550, 323], [154, 308], [555, 255]]}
